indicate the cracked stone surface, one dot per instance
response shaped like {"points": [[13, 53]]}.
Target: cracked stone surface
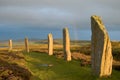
{"points": [[101, 48]]}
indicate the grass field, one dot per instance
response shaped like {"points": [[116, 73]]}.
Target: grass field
{"points": [[20, 65], [61, 70]]}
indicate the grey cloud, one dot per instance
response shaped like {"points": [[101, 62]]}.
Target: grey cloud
{"points": [[109, 3], [58, 12], [38, 16]]}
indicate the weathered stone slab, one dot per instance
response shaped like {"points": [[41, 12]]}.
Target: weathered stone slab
{"points": [[26, 45], [66, 44], [50, 44], [10, 45], [101, 48]]}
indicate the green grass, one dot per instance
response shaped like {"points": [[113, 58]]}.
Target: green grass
{"points": [[61, 69]]}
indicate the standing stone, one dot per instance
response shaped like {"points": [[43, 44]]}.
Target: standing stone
{"points": [[50, 44], [66, 44], [101, 48], [10, 45], [26, 45]]}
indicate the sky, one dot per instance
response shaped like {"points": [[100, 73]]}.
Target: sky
{"points": [[58, 13]]}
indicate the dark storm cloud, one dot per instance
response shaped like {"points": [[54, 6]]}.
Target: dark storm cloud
{"points": [[58, 12]]}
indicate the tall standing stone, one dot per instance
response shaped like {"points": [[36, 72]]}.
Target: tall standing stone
{"points": [[101, 48], [26, 44], [66, 44], [10, 45], [50, 44]]}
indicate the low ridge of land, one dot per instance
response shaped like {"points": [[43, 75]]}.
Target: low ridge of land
{"points": [[13, 66]]}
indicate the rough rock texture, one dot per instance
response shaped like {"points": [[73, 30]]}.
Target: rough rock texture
{"points": [[10, 45], [26, 45], [66, 44], [50, 44], [101, 48]]}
